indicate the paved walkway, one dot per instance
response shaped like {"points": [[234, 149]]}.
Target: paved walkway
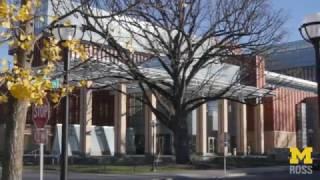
{"points": [[265, 173], [230, 173], [194, 174]]}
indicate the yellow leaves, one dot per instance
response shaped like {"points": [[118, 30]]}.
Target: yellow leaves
{"points": [[26, 41], [27, 85], [21, 90], [20, 86], [53, 18], [10, 14], [5, 15], [22, 83], [67, 22], [37, 3], [76, 47], [25, 12], [47, 84], [23, 37], [82, 52], [5, 24], [66, 90], [48, 69], [41, 83], [9, 84], [4, 10], [16, 70], [24, 86], [50, 66], [23, 41], [22, 73], [40, 86], [71, 44], [55, 97], [4, 67], [85, 83], [51, 50], [3, 98]]}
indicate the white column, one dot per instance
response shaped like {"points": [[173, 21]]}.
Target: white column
{"points": [[259, 129], [150, 128], [222, 124], [85, 120], [302, 125], [242, 128], [120, 121], [201, 140]]}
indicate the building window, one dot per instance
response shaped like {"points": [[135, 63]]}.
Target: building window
{"points": [[136, 111], [74, 108], [58, 112], [135, 125], [102, 108]]}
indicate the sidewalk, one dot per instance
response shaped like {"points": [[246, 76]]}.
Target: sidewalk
{"points": [[241, 173], [209, 174]]}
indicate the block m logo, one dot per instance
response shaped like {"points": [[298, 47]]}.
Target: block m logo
{"points": [[297, 156]]}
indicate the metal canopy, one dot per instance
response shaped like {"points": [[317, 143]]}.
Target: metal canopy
{"points": [[106, 75]]}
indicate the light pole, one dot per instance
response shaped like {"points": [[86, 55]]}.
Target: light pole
{"points": [[310, 140], [63, 33], [310, 31]]}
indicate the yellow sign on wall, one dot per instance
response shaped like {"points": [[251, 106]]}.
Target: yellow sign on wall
{"points": [[297, 155]]}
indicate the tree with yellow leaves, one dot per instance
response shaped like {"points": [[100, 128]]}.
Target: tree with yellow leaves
{"points": [[23, 85]]}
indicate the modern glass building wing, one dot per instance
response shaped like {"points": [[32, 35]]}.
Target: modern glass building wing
{"points": [[294, 58]]}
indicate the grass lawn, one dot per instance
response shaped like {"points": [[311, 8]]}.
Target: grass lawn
{"points": [[216, 163], [246, 162]]}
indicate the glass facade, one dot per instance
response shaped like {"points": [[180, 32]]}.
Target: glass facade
{"points": [[102, 108], [164, 136], [135, 125], [306, 72], [212, 126], [295, 59], [232, 125], [192, 130]]}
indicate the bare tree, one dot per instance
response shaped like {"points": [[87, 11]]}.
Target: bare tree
{"points": [[187, 46]]}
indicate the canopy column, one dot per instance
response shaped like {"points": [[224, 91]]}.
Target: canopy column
{"points": [[120, 121]]}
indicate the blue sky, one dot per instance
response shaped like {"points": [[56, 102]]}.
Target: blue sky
{"points": [[294, 9]]}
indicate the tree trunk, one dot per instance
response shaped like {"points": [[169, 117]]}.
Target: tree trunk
{"points": [[14, 140], [181, 142]]}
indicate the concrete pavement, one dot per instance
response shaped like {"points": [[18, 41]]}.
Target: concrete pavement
{"points": [[278, 172]]}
